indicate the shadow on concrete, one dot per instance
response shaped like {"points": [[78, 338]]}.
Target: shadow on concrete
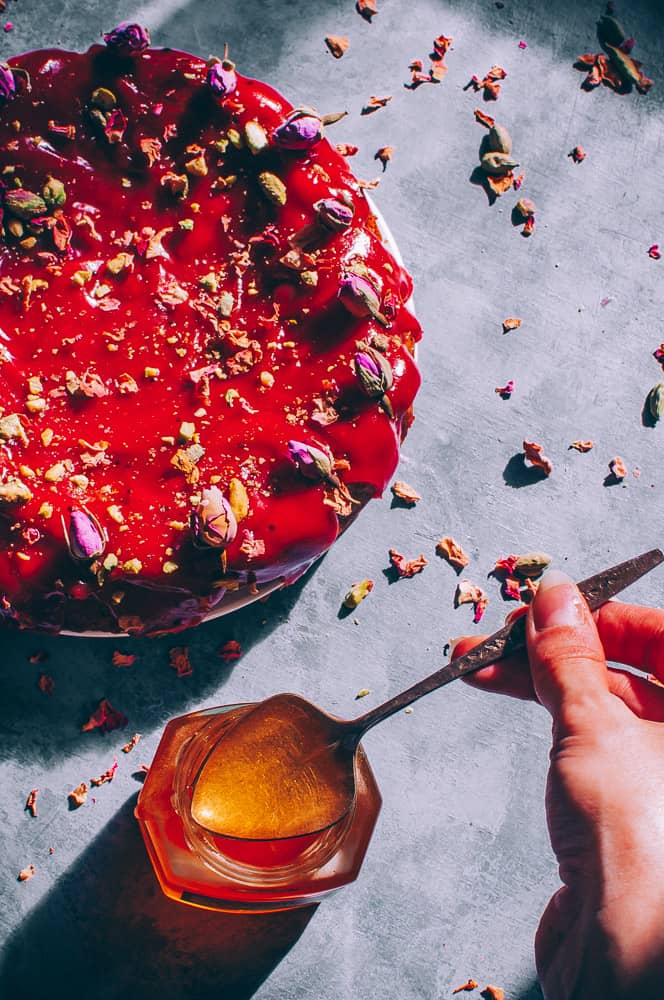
{"points": [[37, 728], [107, 931], [517, 474]]}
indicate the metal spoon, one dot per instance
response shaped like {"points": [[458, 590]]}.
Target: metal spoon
{"points": [[286, 769]]}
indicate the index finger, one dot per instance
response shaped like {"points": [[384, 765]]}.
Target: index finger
{"points": [[633, 635]]}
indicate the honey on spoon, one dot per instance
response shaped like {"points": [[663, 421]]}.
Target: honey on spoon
{"points": [[287, 769]]}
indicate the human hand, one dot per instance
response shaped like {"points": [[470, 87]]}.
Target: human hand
{"points": [[602, 933]]}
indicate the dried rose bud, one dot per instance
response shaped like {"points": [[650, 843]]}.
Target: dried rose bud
{"points": [[360, 297], [7, 84], [221, 78], [24, 204], [312, 463], [374, 372], [335, 214], [213, 523], [497, 163], [85, 537], [656, 401], [357, 593], [128, 39], [301, 130]]}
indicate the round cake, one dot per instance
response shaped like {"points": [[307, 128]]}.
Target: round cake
{"points": [[206, 356]]}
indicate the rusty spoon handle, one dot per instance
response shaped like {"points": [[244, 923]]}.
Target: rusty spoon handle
{"points": [[508, 640]]}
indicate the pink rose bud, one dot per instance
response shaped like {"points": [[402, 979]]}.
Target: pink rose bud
{"points": [[128, 39], [213, 522], [334, 214], [301, 130], [222, 78], [85, 537], [311, 462], [7, 84], [360, 297], [374, 372]]}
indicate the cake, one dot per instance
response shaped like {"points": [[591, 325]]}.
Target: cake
{"points": [[206, 353]]}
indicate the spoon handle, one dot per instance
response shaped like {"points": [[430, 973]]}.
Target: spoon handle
{"points": [[510, 639]]}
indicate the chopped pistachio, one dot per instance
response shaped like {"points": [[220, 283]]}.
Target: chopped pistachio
{"points": [[238, 498], [170, 567], [35, 404], [209, 282], [234, 138], [35, 387], [104, 99], [27, 472], [110, 562], [266, 379], [133, 566], [150, 372], [115, 513], [46, 510], [81, 277], [11, 427], [56, 473], [80, 481], [186, 432], [273, 188], [256, 137], [14, 491], [186, 224], [226, 304], [309, 278]]}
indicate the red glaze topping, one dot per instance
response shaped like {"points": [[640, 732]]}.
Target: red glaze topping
{"points": [[176, 306]]}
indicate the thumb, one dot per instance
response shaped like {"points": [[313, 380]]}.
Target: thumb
{"points": [[567, 660]]}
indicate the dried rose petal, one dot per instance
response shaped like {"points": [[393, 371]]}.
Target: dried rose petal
{"points": [[511, 588], [492, 993], [337, 44], [357, 593], [470, 985], [128, 747], [480, 608], [523, 45], [405, 492], [374, 103], [505, 564], [441, 45], [529, 227], [467, 593], [106, 777], [78, 796], [533, 454], [179, 661], [505, 391], [578, 154], [105, 718], [618, 467], [582, 446], [346, 149], [46, 684], [123, 659], [252, 547], [405, 567], [452, 551], [384, 154], [31, 802], [654, 252], [367, 9], [128, 39], [511, 323], [26, 873], [230, 651]]}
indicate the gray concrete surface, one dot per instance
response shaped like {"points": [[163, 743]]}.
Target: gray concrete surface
{"points": [[459, 868]]}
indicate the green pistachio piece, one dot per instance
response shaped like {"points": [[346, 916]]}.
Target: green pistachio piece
{"points": [[54, 193], [24, 204], [104, 99], [656, 401], [497, 164], [532, 564], [499, 139], [273, 188]]}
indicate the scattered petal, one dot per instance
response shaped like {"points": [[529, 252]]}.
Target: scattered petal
{"points": [[179, 661], [452, 551], [78, 796], [470, 985], [384, 154], [367, 9], [577, 154], [105, 718], [534, 454], [128, 747], [337, 44], [230, 651], [618, 468], [467, 593], [654, 251], [31, 802], [582, 446], [404, 567], [505, 564], [523, 45], [492, 993], [362, 693], [374, 103], [106, 777], [26, 873], [123, 659], [405, 492], [505, 391], [46, 684], [511, 323], [511, 588]]}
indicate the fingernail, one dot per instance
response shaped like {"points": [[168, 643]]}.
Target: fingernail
{"points": [[557, 602]]}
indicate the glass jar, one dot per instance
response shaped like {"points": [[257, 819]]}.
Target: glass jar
{"points": [[196, 866]]}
